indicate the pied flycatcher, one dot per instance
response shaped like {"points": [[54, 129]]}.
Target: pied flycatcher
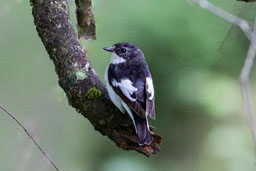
{"points": [[130, 87]]}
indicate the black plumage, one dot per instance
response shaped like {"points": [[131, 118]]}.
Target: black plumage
{"points": [[133, 67]]}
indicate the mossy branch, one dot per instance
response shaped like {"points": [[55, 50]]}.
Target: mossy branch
{"points": [[84, 90]]}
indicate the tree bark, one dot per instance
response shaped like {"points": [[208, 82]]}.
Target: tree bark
{"points": [[83, 88], [85, 19]]}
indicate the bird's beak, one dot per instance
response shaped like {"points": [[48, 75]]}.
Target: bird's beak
{"points": [[110, 49]]}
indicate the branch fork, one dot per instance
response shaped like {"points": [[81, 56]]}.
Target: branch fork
{"points": [[245, 73], [84, 90]]}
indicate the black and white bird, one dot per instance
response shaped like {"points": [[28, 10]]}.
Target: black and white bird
{"points": [[130, 87]]}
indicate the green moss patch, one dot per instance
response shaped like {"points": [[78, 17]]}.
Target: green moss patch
{"points": [[93, 93]]}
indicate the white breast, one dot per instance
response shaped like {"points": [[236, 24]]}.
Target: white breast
{"points": [[113, 96], [119, 103]]}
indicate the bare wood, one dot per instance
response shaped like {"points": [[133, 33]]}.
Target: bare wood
{"points": [[84, 90]]}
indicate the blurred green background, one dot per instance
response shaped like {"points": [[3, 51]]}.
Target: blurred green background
{"points": [[199, 104]]}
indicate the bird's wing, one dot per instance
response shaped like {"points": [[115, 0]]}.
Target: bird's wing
{"points": [[150, 98], [127, 92]]}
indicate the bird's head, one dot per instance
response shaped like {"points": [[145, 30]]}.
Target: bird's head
{"points": [[124, 51]]}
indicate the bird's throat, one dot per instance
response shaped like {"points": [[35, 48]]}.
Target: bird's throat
{"points": [[115, 59]]}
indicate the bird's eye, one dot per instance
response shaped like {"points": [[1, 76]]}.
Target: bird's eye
{"points": [[123, 50]]}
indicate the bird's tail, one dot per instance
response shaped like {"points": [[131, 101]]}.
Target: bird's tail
{"points": [[142, 128]]}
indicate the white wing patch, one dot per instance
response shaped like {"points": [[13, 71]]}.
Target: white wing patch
{"points": [[150, 89], [126, 87]]}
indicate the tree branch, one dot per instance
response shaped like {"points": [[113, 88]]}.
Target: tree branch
{"points": [[244, 77], [84, 90], [85, 19], [245, 73], [243, 24]]}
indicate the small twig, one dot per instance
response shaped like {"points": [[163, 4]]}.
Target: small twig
{"points": [[245, 73], [244, 77], [245, 9], [30, 136], [243, 24]]}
